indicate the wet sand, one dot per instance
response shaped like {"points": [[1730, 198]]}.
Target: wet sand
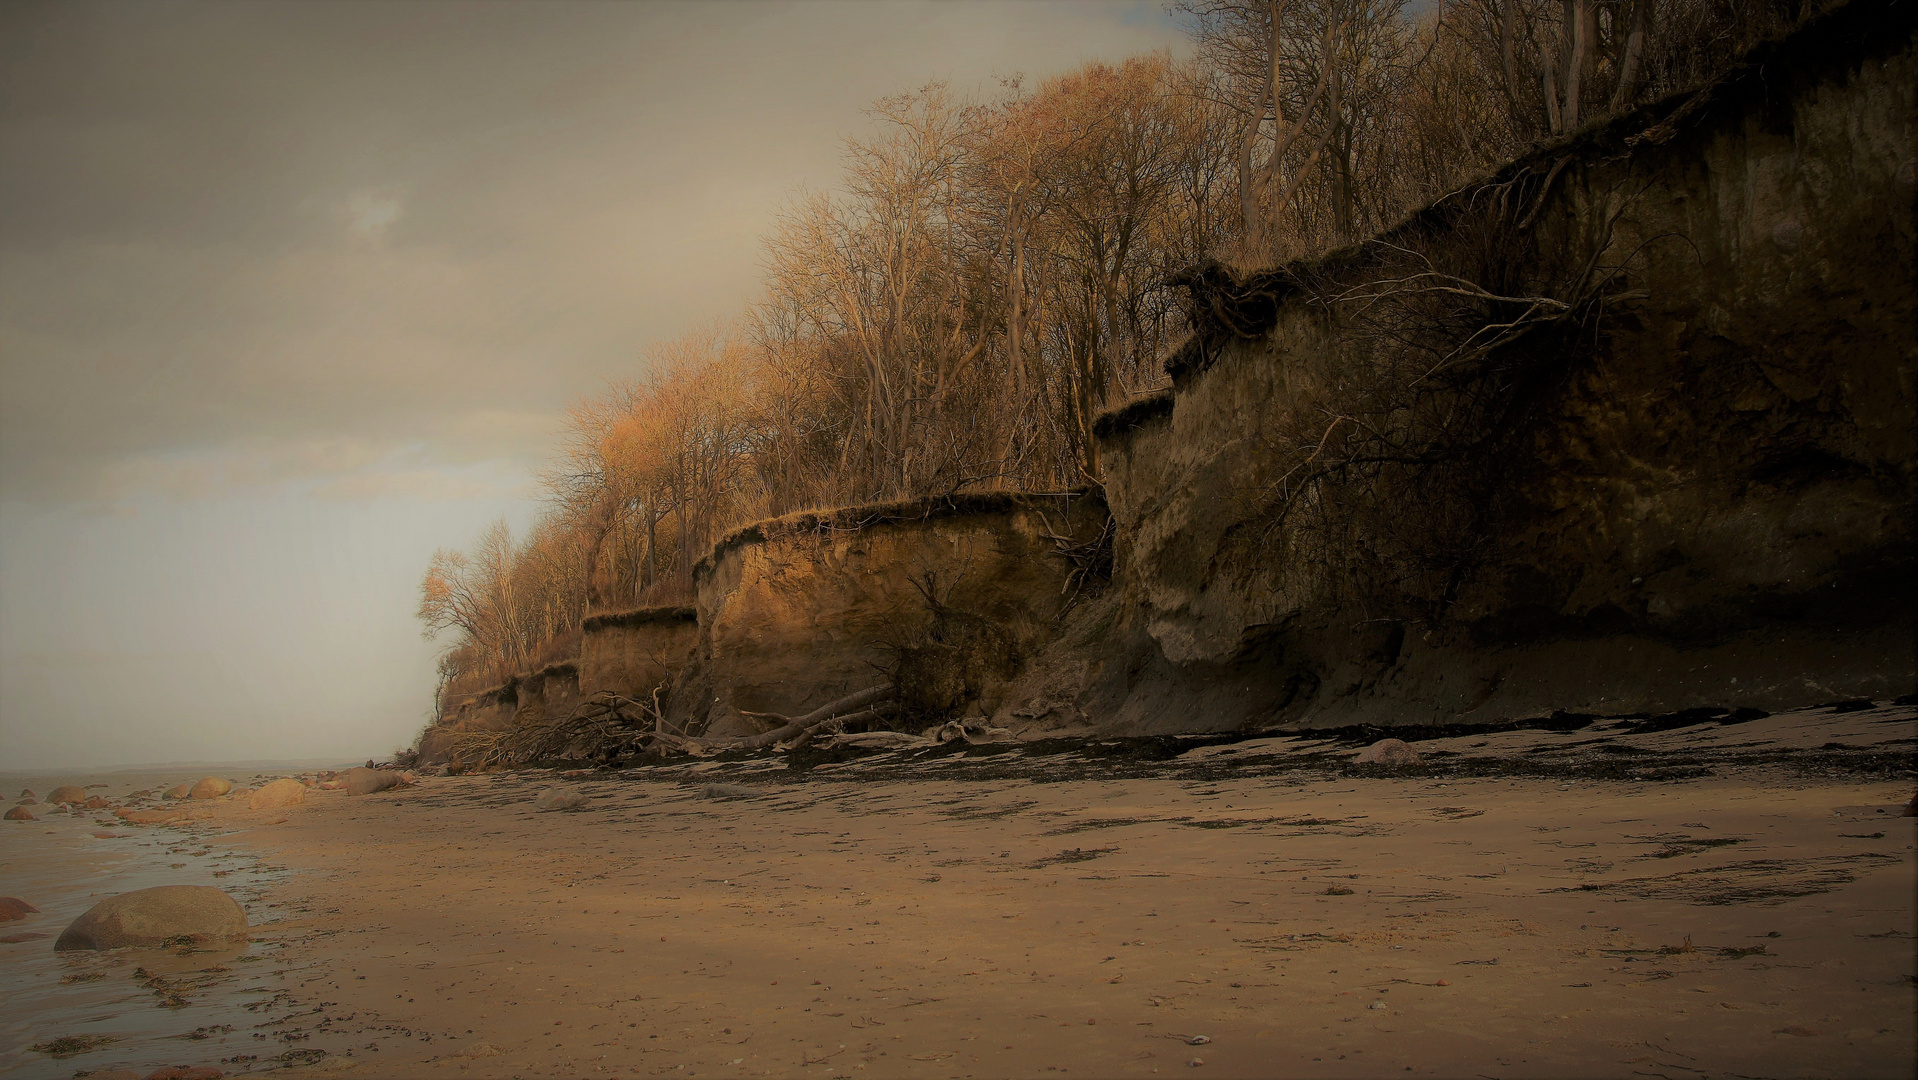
{"points": [[1200, 915]]}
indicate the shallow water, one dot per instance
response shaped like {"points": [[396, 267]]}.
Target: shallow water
{"points": [[153, 1006]]}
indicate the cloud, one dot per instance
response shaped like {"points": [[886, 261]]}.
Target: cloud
{"points": [[370, 213]]}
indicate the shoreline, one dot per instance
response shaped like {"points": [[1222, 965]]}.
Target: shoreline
{"points": [[1513, 905]]}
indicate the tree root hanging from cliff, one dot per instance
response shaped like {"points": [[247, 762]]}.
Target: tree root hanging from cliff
{"points": [[602, 727]]}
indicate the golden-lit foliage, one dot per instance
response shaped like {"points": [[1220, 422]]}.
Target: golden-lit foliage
{"points": [[992, 275]]}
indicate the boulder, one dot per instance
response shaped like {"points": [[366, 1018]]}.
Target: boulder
{"points": [[1391, 752], [284, 792], [95, 802], [367, 781], [177, 791], [211, 787], [12, 907], [68, 793], [560, 798], [18, 813], [154, 916]]}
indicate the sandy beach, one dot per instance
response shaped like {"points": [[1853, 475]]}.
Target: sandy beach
{"points": [[1255, 908]]}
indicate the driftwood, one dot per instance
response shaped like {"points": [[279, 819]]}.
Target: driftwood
{"points": [[791, 728]]}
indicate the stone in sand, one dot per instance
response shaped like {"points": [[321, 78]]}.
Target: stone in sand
{"points": [[95, 802], [177, 791], [210, 787], [560, 798], [368, 781], [18, 813], [12, 907], [283, 792], [1387, 752], [68, 793], [154, 916]]}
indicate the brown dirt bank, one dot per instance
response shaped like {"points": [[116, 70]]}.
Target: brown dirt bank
{"points": [[973, 919]]}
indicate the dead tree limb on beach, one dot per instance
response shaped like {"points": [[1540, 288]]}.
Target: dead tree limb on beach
{"points": [[790, 728]]}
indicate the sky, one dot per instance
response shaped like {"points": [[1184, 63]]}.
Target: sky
{"points": [[292, 294]]}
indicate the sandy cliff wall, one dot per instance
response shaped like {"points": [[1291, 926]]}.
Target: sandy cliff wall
{"points": [[1698, 491], [632, 652], [488, 710], [950, 595]]}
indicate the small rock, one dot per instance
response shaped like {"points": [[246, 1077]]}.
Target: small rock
{"points": [[27, 793], [17, 813], [1196, 1062], [12, 907], [1801, 1032], [728, 791], [95, 802], [363, 781], [186, 1072], [1197, 1040], [1376, 1005], [210, 787], [68, 793], [560, 798], [1387, 752], [148, 917], [114, 1074], [177, 791], [278, 793]]}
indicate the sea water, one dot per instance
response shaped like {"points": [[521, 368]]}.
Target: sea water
{"points": [[137, 1009]]}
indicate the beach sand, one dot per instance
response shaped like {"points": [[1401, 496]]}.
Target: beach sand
{"points": [[1204, 915]]}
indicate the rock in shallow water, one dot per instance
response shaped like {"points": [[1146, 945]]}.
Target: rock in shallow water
{"points": [[12, 907], [68, 793], [1387, 752], [149, 917], [19, 813], [282, 792]]}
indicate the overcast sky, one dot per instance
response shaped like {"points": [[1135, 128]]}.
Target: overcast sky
{"points": [[292, 294]]}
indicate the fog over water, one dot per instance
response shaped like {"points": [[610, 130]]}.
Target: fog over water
{"points": [[292, 294]]}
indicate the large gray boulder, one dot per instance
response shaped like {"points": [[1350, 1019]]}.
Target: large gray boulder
{"points": [[154, 916], [364, 781]]}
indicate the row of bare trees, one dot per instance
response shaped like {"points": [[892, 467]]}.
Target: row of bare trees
{"points": [[990, 275]]}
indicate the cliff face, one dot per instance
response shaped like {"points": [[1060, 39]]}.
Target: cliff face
{"points": [[1694, 488], [633, 652], [1628, 427], [949, 596]]}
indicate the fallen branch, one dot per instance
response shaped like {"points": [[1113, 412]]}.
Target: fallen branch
{"points": [[791, 727]]}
